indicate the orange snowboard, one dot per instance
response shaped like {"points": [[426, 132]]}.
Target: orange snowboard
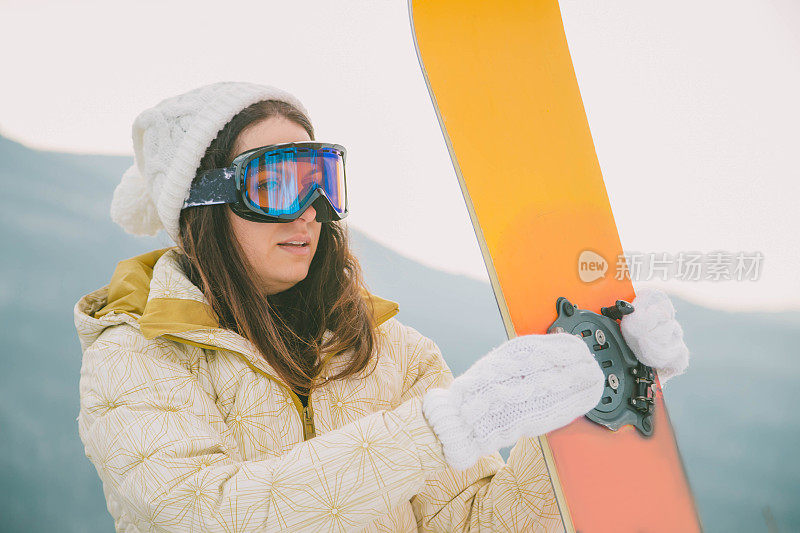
{"points": [[502, 82]]}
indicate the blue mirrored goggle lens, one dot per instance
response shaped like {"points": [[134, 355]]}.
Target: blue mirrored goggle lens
{"points": [[279, 182]]}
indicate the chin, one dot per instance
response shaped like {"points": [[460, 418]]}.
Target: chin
{"points": [[295, 279]]}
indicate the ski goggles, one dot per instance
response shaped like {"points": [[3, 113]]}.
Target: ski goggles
{"points": [[277, 183]]}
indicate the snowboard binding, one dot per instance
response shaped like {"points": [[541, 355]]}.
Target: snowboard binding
{"points": [[628, 398]]}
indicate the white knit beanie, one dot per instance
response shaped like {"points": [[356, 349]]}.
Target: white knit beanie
{"points": [[169, 140]]}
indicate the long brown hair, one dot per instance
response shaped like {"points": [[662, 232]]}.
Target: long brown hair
{"points": [[288, 327]]}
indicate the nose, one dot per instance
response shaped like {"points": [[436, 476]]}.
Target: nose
{"points": [[309, 215]]}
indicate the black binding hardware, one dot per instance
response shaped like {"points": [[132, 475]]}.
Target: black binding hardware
{"points": [[628, 397]]}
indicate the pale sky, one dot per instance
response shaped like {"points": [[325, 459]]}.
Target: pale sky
{"points": [[693, 109]]}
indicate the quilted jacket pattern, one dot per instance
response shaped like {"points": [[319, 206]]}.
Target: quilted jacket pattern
{"points": [[191, 430]]}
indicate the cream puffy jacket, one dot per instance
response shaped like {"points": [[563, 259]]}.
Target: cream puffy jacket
{"points": [[191, 430]]}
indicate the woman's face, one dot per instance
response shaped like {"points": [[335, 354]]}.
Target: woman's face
{"points": [[279, 266]]}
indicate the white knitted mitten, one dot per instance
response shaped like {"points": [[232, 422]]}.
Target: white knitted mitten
{"points": [[527, 386], [654, 335]]}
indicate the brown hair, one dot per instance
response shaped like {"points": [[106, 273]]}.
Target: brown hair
{"points": [[288, 327]]}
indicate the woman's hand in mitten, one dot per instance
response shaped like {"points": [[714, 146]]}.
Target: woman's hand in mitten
{"points": [[527, 386], [654, 336]]}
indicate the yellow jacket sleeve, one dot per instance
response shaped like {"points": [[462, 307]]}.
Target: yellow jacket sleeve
{"points": [[491, 495], [168, 462]]}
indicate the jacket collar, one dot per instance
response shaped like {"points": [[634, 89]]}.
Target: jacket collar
{"points": [[153, 290]]}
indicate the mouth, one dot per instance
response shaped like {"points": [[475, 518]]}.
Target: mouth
{"points": [[296, 243]]}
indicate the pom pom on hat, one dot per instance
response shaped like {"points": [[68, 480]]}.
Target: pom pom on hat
{"points": [[131, 206], [169, 141]]}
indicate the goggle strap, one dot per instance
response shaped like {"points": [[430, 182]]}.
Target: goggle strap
{"points": [[216, 186]]}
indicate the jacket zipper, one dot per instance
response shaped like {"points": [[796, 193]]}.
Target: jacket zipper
{"points": [[306, 413], [308, 422]]}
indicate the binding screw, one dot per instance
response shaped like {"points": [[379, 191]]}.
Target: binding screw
{"points": [[600, 336]]}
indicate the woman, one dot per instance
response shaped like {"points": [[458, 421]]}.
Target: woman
{"points": [[245, 380]]}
